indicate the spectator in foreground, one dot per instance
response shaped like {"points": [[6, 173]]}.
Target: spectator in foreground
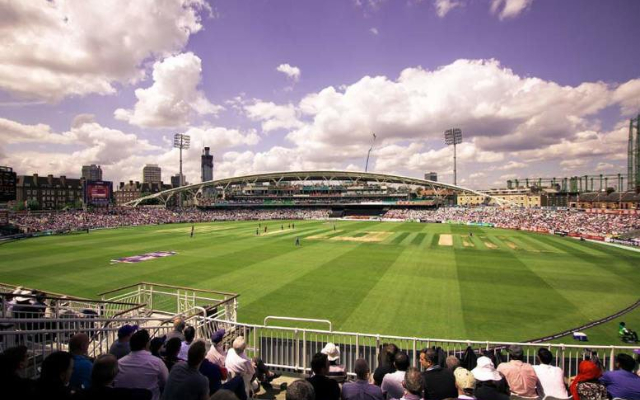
{"points": [[361, 389], [171, 351], [238, 364], [490, 385], [622, 382], [392, 383], [324, 388], [120, 347], [82, 365], [217, 353], [412, 385], [336, 371], [551, 378], [224, 394], [54, 377], [189, 336], [520, 376], [156, 345], [140, 369], [300, 390], [185, 381], [439, 382], [452, 363], [105, 369], [178, 327], [586, 385], [385, 362], [13, 361], [465, 384]]}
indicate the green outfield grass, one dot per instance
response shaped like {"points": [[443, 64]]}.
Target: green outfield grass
{"points": [[424, 280]]}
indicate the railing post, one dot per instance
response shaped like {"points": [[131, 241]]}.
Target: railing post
{"points": [[304, 351], [612, 358], [150, 302], [415, 350], [357, 352], [377, 348], [296, 350]]}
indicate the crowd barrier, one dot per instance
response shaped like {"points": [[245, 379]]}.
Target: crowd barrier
{"points": [[291, 349]]}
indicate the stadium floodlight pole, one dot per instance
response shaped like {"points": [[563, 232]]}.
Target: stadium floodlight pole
{"points": [[453, 137], [366, 165], [182, 142]]}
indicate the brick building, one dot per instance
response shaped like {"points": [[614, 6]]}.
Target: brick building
{"points": [[50, 192]]}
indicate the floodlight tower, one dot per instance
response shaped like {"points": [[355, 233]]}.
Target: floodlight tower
{"points": [[453, 137], [182, 142]]}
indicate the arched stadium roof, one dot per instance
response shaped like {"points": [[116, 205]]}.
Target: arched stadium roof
{"points": [[311, 176]]}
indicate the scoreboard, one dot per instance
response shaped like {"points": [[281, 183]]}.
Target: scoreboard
{"points": [[98, 193], [8, 180]]}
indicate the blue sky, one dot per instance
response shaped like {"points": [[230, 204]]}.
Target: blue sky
{"points": [[539, 87]]}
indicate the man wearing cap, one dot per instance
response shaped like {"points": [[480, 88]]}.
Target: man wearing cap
{"points": [[521, 376], [217, 354], [120, 347], [361, 389], [551, 378], [465, 383], [490, 385], [439, 382]]}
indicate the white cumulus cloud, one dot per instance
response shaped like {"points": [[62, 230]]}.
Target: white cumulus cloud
{"points": [[509, 8], [54, 49], [290, 71], [174, 98]]}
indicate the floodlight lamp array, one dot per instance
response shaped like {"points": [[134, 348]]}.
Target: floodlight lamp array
{"points": [[181, 141]]}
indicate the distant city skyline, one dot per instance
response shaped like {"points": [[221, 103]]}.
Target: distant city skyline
{"points": [[540, 88]]}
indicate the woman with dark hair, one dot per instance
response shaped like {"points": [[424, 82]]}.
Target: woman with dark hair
{"points": [[385, 362], [54, 377], [585, 385]]}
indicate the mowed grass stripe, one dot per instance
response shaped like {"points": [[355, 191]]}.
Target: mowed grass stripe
{"points": [[340, 280], [398, 238], [417, 240], [485, 286]]}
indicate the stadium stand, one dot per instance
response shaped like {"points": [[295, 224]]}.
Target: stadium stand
{"points": [[569, 222]]}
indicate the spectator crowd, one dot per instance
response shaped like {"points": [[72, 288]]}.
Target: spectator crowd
{"points": [[116, 217], [179, 366], [531, 219]]}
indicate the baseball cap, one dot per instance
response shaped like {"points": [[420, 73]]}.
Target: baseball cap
{"points": [[126, 330], [217, 336]]}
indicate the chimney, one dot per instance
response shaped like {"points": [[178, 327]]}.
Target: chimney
{"points": [[50, 179], [63, 180], [35, 179]]}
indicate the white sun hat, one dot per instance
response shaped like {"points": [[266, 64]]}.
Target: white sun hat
{"points": [[485, 371], [332, 351]]}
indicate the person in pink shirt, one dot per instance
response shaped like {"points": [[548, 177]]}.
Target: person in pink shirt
{"points": [[520, 376]]}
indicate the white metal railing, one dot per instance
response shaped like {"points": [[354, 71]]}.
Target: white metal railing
{"points": [[322, 321], [169, 299], [292, 348]]}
